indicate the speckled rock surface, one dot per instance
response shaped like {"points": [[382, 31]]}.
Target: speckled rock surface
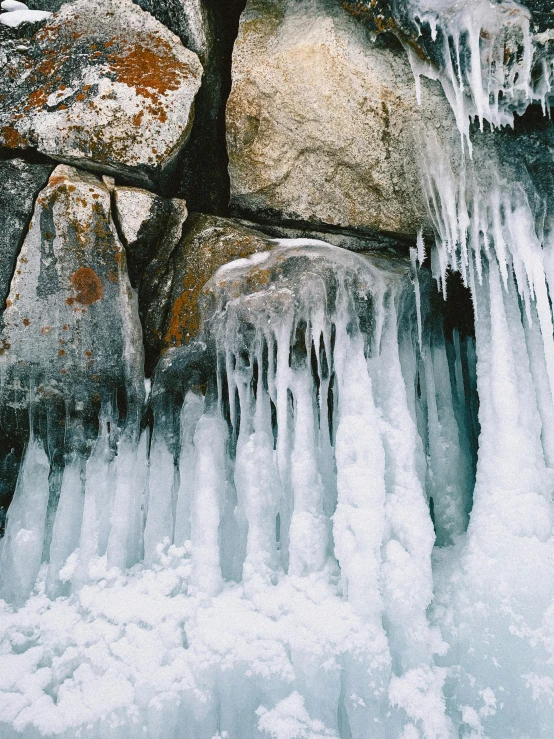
{"points": [[186, 18], [71, 336], [322, 123], [105, 85], [20, 183], [169, 300]]}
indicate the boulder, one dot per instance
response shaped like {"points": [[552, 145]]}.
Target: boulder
{"points": [[103, 85], [150, 226], [322, 122], [71, 340], [171, 285], [20, 183]]}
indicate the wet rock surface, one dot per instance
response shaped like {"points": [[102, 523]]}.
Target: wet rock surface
{"points": [[172, 284], [103, 85], [71, 338]]}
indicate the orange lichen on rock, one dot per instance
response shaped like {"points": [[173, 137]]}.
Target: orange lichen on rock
{"points": [[185, 320], [87, 285], [11, 138], [199, 265], [150, 67]]}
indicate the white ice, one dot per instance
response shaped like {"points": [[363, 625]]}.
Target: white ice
{"points": [[489, 65], [268, 576]]}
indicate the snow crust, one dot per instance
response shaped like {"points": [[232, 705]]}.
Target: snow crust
{"points": [[17, 13]]}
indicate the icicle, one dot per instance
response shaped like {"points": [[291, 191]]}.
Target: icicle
{"points": [[258, 491], [161, 482], [24, 538], [97, 509], [125, 539], [358, 523], [308, 528], [414, 258], [492, 79], [449, 480], [210, 442], [67, 526], [284, 437], [192, 410]]}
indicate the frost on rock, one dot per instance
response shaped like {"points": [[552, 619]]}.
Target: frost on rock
{"points": [[256, 562]]}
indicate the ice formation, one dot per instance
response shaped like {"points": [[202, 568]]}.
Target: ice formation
{"points": [[336, 517], [492, 601], [490, 63], [261, 559]]}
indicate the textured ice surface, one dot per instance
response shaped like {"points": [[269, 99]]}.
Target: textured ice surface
{"points": [[489, 65], [270, 573]]}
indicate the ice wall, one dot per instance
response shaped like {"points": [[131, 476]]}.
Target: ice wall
{"points": [[492, 599], [260, 557], [493, 227]]}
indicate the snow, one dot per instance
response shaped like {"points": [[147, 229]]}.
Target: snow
{"points": [[12, 5], [18, 13]]}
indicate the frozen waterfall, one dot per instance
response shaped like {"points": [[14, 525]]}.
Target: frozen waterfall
{"points": [[260, 556], [333, 517]]}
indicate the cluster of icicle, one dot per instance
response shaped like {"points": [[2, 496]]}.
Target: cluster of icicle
{"points": [[489, 64], [493, 598], [307, 470]]}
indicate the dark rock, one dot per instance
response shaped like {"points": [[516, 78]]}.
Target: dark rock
{"points": [[52, 5], [186, 18], [149, 225], [20, 183], [202, 177]]}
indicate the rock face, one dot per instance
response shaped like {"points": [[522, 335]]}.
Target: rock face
{"points": [[71, 336], [105, 86], [322, 124], [20, 183], [172, 285], [186, 18], [149, 225]]}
